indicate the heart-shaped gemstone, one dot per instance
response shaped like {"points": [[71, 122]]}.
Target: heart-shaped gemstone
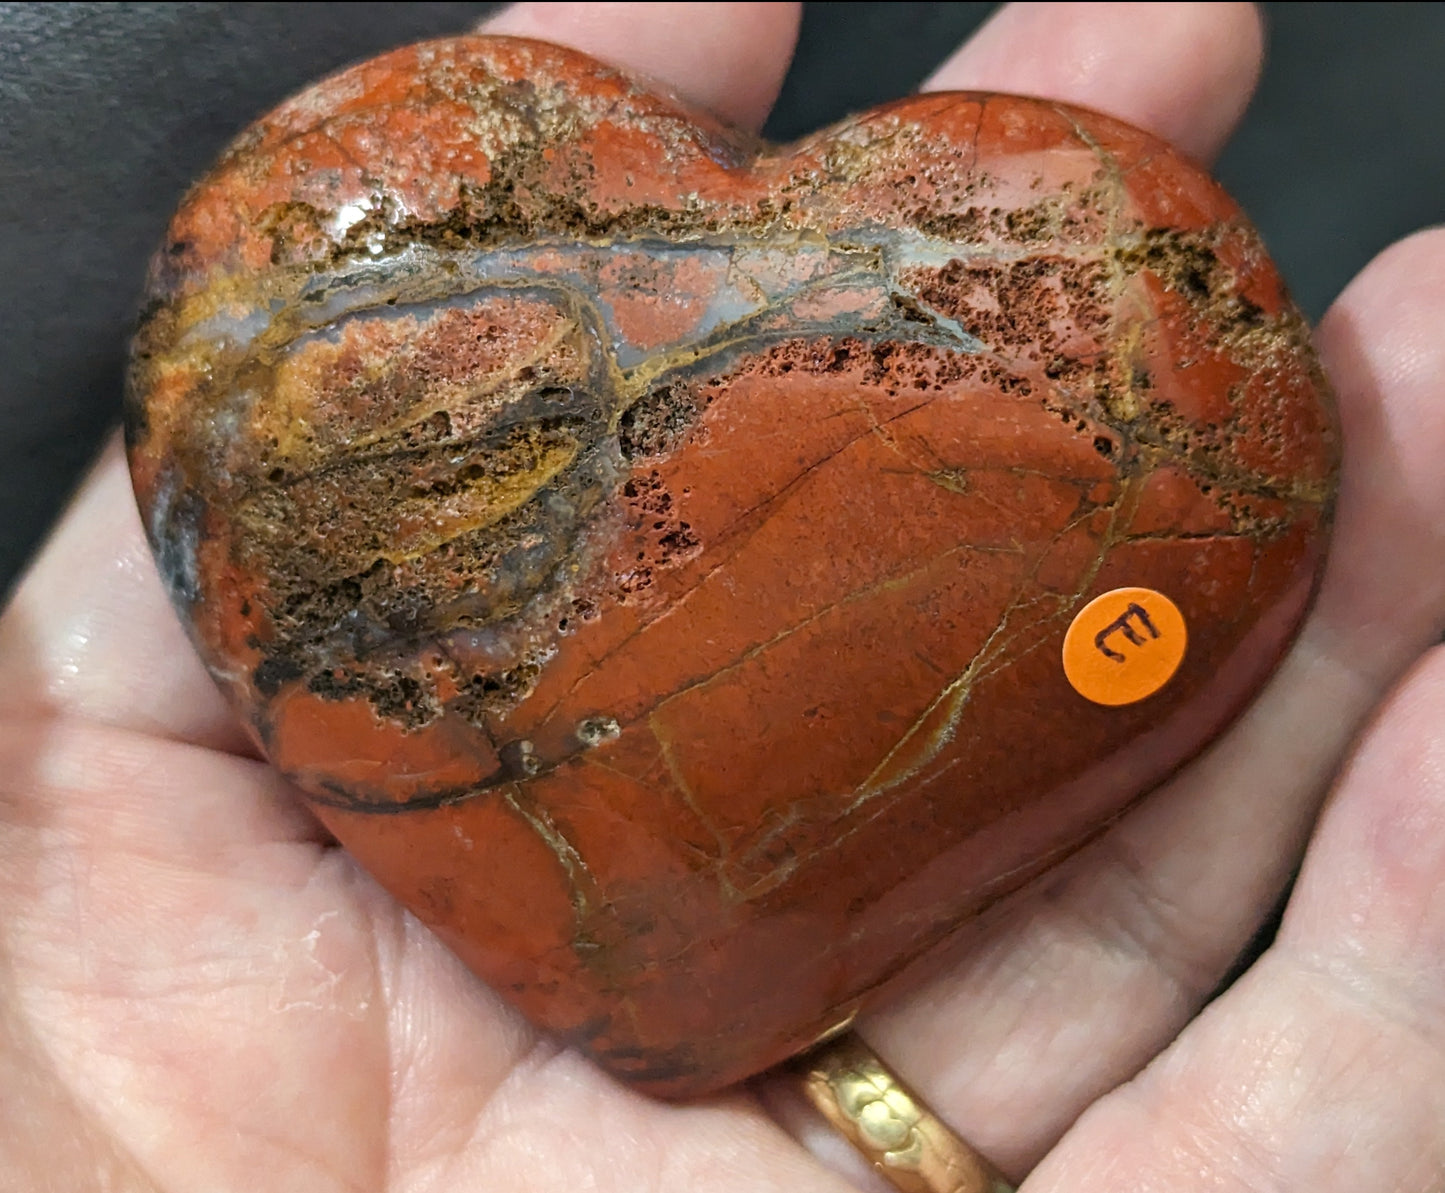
{"points": [[696, 578]]}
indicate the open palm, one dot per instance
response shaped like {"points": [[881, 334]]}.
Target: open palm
{"points": [[199, 991]]}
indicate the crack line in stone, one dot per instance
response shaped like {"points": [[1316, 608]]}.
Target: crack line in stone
{"points": [[742, 529], [885, 584], [685, 792], [956, 694], [567, 854], [1121, 511]]}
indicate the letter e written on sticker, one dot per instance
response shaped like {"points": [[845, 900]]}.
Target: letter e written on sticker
{"points": [[1124, 646]]}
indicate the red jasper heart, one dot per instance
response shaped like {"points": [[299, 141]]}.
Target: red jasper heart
{"points": [[695, 578]]}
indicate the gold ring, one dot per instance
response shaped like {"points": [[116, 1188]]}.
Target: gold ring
{"points": [[905, 1142]]}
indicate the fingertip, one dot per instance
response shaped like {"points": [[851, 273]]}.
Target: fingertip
{"points": [[1402, 287], [1184, 72], [1382, 335], [728, 58], [1381, 347]]}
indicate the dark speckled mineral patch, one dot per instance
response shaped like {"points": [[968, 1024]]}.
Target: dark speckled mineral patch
{"points": [[652, 552]]}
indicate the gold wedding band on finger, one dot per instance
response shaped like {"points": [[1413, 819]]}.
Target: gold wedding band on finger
{"points": [[905, 1142]]}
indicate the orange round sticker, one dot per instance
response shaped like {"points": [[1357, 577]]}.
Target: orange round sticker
{"points": [[1124, 646]]}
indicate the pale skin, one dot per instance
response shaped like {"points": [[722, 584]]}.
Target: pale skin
{"points": [[199, 991]]}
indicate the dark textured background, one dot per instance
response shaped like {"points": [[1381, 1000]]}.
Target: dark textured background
{"points": [[108, 111]]}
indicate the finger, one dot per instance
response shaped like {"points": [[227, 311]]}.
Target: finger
{"points": [[1079, 980], [729, 58], [1324, 1068], [1182, 71], [90, 632]]}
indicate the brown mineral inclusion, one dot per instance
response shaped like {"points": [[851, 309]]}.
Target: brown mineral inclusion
{"points": [[651, 551]]}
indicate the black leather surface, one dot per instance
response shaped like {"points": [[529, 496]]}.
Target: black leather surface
{"points": [[108, 111]]}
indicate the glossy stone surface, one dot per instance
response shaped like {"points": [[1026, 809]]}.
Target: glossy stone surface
{"points": [[652, 552]]}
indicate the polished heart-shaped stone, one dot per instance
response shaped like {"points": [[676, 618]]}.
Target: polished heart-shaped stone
{"points": [[695, 577]]}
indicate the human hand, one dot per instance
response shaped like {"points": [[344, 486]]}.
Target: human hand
{"points": [[198, 990]]}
